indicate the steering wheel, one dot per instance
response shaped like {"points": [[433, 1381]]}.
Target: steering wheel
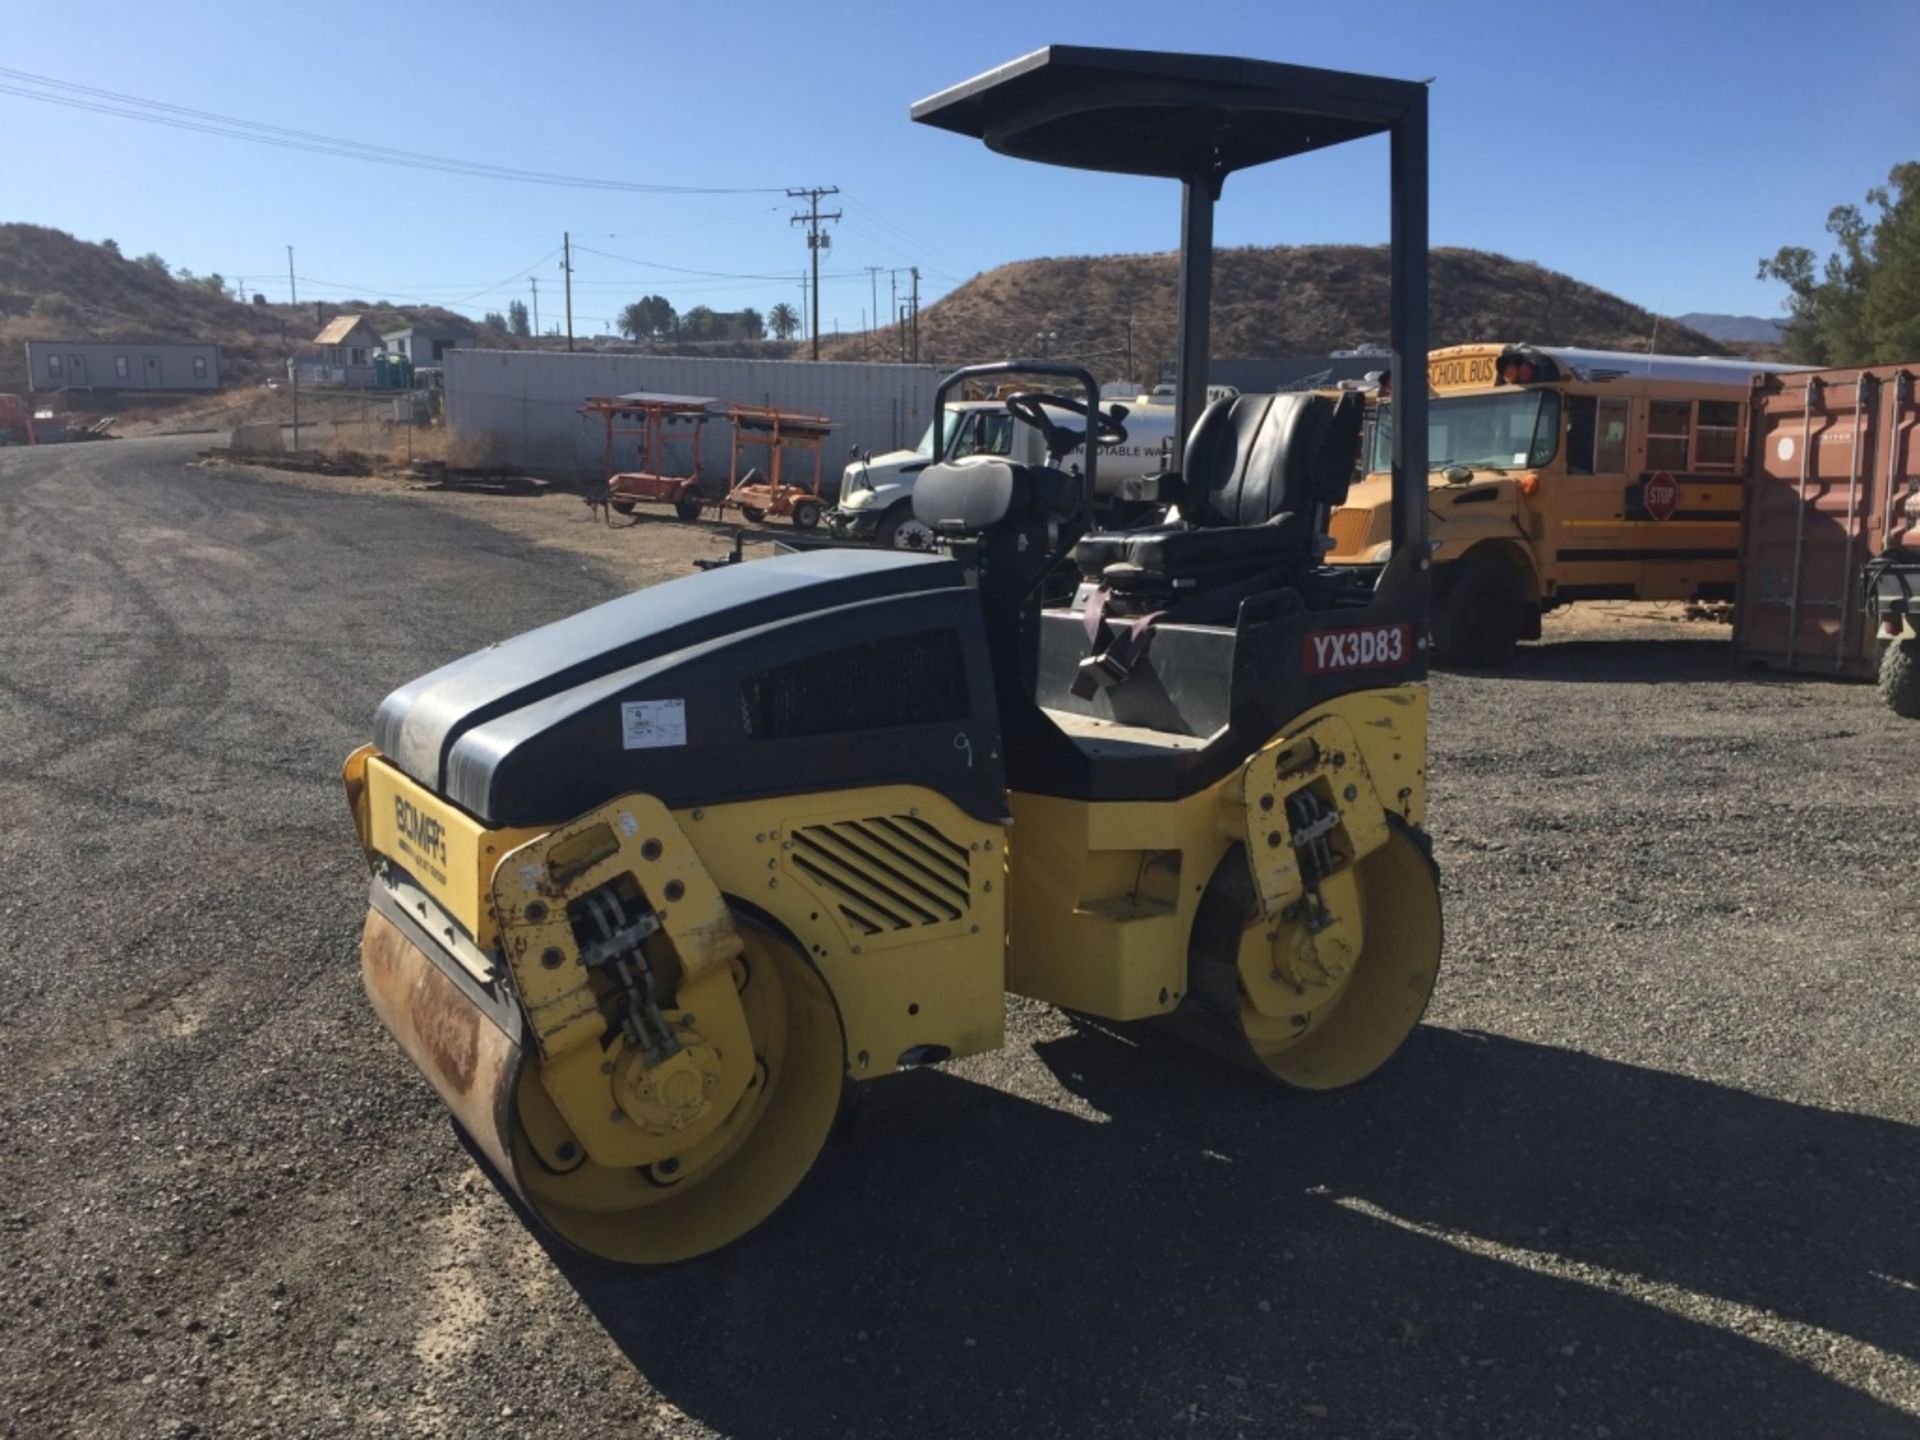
{"points": [[1030, 406]]}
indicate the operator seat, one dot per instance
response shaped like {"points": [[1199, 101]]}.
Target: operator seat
{"points": [[1258, 469]]}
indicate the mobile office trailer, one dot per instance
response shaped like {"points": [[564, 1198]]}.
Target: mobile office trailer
{"points": [[122, 365], [1830, 543]]}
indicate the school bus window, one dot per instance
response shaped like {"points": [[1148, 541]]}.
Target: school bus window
{"points": [[1668, 426], [1610, 448], [1580, 418], [1494, 431], [1716, 436]]}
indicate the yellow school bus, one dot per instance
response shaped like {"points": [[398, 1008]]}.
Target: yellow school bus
{"points": [[1561, 475]]}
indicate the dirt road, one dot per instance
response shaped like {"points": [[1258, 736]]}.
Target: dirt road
{"points": [[1651, 1168]]}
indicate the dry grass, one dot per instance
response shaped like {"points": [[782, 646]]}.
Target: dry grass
{"points": [[1277, 300], [72, 289]]}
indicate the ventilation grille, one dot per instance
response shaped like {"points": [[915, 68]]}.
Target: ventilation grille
{"points": [[887, 873], [918, 679], [1355, 529]]}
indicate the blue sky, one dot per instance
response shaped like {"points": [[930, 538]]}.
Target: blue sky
{"points": [[1655, 149]]}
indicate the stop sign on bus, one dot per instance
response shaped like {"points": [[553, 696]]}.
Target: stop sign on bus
{"points": [[1660, 496]]}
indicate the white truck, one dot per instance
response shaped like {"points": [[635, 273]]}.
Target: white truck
{"points": [[876, 491]]}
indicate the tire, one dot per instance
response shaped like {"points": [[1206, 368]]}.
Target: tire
{"points": [[1900, 677], [806, 515], [899, 530], [688, 507], [621, 507], [1479, 612], [753, 514]]}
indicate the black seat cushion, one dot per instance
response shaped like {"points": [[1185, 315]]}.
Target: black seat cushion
{"points": [[1095, 552], [1182, 551], [1257, 468]]}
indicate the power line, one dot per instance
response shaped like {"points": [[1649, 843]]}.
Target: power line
{"points": [[180, 117], [906, 236], [511, 279], [686, 270]]}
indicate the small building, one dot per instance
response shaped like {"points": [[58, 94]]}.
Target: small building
{"points": [[425, 345], [348, 341], [122, 365]]}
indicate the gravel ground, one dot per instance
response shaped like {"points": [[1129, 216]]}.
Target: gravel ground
{"points": [[1651, 1168]]}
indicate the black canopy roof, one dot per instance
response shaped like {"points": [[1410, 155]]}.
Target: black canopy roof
{"points": [[1179, 116]]}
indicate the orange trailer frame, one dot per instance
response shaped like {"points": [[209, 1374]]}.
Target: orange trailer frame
{"points": [[779, 431], [16, 418], [656, 420]]}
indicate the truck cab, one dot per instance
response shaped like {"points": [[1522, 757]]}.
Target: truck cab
{"points": [[876, 491]]}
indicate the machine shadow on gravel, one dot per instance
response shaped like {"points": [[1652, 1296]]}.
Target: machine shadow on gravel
{"points": [[1214, 1255]]}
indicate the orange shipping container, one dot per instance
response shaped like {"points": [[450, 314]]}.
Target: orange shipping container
{"points": [[1833, 485]]}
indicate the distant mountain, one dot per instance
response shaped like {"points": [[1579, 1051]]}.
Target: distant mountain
{"points": [[54, 287], [1267, 301], [1737, 329]]}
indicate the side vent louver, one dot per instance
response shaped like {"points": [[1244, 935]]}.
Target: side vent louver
{"points": [[892, 683], [886, 873]]}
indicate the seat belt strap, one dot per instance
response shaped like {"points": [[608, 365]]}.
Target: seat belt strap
{"points": [[1112, 659]]}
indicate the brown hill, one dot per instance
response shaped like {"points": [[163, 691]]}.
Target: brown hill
{"points": [[1268, 301], [55, 286]]}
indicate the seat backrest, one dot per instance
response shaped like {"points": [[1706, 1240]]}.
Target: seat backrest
{"points": [[1253, 457]]}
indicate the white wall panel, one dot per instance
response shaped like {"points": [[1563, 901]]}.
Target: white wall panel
{"points": [[521, 407]]}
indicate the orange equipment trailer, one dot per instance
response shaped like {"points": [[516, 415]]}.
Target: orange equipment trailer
{"points": [[759, 496], [652, 420], [16, 421]]}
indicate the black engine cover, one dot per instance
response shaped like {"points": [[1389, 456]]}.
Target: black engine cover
{"points": [[819, 671]]}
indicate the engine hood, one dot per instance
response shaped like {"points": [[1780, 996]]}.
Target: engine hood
{"points": [[455, 729]]}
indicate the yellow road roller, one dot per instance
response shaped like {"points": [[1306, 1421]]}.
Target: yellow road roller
{"points": [[652, 885]]}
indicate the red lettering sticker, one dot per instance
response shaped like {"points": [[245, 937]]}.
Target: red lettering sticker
{"points": [[1367, 649]]}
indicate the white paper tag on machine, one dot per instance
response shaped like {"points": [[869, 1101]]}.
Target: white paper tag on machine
{"points": [[651, 724]]}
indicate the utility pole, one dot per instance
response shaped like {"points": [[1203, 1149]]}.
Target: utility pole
{"points": [[893, 312], [916, 314], [817, 240], [803, 314], [293, 375], [536, 305], [566, 246], [293, 291], [873, 286]]}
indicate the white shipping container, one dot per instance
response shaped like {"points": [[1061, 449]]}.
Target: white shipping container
{"points": [[521, 407]]}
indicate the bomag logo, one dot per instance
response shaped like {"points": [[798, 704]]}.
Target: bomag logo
{"points": [[1461, 372], [423, 832]]}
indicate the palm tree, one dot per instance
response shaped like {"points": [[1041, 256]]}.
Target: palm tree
{"points": [[783, 320]]}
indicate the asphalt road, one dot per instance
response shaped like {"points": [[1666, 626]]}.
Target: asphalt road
{"points": [[1651, 1168]]}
